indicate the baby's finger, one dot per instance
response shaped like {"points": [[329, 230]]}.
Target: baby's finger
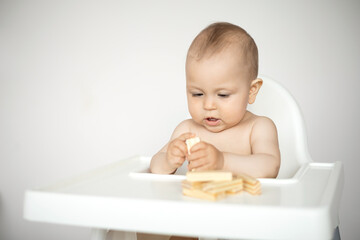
{"points": [[181, 146], [196, 155], [185, 136], [198, 146], [179, 161], [177, 152], [196, 164], [203, 167]]}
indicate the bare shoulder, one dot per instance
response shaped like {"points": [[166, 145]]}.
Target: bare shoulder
{"points": [[182, 127], [263, 128], [262, 121], [255, 121]]}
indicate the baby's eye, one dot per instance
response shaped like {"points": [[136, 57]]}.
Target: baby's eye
{"points": [[223, 95], [196, 94]]}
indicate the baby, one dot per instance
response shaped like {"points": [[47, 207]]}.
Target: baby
{"points": [[221, 79]]}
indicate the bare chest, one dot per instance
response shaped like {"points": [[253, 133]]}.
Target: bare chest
{"points": [[236, 140]]}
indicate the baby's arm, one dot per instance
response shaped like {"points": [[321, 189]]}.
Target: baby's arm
{"points": [[264, 161], [173, 154]]}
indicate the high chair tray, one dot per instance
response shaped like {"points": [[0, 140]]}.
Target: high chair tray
{"points": [[124, 196]]}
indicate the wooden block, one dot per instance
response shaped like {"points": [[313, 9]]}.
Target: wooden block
{"points": [[196, 193], [247, 178], [253, 192], [225, 188], [234, 191], [191, 185], [190, 142], [252, 187], [217, 185]]}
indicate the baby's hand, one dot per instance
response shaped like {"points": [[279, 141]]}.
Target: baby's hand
{"points": [[205, 156], [177, 151]]}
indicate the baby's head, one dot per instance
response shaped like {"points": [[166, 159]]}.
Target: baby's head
{"points": [[221, 37], [221, 76]]}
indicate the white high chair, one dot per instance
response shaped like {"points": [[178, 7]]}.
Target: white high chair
{"points": [[302, 203], [275, 102]]}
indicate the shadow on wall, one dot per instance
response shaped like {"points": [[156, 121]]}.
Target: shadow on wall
{"points": [[1, 218], [0, 208]]}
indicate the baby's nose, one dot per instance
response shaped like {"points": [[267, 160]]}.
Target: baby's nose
{"points": [[209, 103]]}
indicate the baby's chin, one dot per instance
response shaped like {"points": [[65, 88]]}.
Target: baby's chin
{"points": [[213, 129]]}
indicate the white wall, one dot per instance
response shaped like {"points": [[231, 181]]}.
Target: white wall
{"points": [[85, 83]]}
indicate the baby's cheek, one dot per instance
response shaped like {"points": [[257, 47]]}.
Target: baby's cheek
{"points": [[195, 115]]}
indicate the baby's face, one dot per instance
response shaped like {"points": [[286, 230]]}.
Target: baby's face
{"points": [[217, 91]]}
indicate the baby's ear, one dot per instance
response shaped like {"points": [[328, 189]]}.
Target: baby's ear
{"points": [[254, 89]]}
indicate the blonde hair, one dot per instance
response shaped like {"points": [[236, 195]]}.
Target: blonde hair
{"points": [[221, 35]]}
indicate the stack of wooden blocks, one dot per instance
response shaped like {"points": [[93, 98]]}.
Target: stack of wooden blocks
{"points": [[214, 185]]}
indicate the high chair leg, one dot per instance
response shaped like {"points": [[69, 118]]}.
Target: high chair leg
{"points": [[120, 235], [98, 234]]}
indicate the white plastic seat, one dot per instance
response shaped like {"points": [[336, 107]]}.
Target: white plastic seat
{"points": [[275, 102]]}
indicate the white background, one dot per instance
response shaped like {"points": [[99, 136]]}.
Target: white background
{"points": [[86, 83]]}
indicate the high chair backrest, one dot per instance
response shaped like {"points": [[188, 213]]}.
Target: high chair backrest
{"points": [[275, 102]]}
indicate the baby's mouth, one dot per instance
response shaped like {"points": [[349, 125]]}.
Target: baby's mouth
{"points": [[212, 121]]}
